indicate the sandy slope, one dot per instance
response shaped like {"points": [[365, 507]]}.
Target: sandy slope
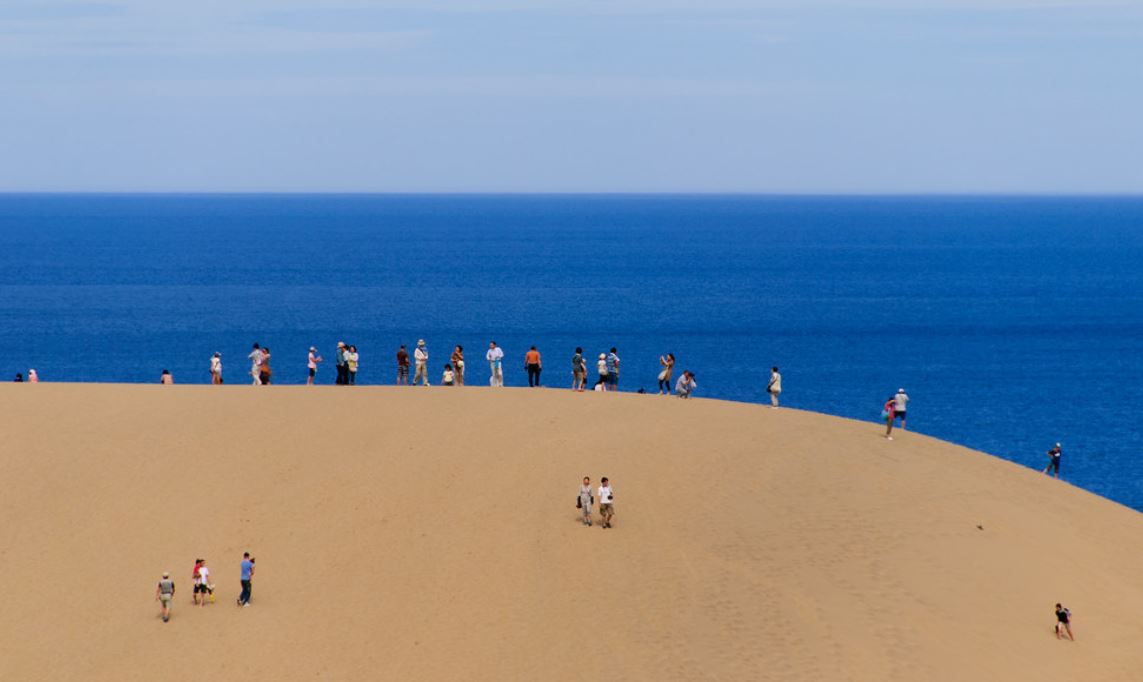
{"points": [[431, 534]]}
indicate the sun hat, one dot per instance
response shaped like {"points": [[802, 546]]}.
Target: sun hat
{"points": [[312, 349], [420, 342], [900, 390], [603, 356], [166, 574]]}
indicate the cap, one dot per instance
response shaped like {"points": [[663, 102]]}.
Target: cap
{"points": [[900, 390], [312, 349], [166, 574], [341, 344], [1057, 445], [420, 342]]}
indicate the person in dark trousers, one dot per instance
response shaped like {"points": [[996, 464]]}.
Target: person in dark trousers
{"points": [[402, 366], [339, 360], [1064, 623], [1054, 461], [533, 365], [247, 578]]}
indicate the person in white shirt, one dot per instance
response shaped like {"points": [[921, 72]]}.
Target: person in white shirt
{"points": [[495, 357], [601, 366], [774, 388], [685, 385], [311, 365], [606, 497], [421, 362], [900, 403], [216, 369], [202, 585], [256, 364]]}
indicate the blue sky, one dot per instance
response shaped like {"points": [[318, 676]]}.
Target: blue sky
{"points": [[857, 96]]}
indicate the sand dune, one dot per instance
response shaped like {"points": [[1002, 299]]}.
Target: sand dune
{"points": [[431, 534]]}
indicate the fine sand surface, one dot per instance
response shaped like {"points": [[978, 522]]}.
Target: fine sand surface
{"points": [[431, 534]]}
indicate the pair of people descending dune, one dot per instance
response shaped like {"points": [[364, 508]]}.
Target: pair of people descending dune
{"points": [[203, 588], [585, 500]]}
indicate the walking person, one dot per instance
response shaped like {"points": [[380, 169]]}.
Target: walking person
{"points": [[341, 364], [256, 364], [613, 370], [264, 371], [194, 582], [246, 577], [402, 366], [774, 388], [585, 500], [579, 370], [312, 361], [888, 412], [686, 384], [1064, 622], [216, 369], [457, 361], [900, 405], [202, 582], [351, 363], [606, 498], [601, 367], [1054, 460], [667, 362], [165, 594], [421, 362], [495, 357], [533, 366]]}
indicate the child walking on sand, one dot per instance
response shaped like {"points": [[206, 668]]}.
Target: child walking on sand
{"points": [[585, 500]]}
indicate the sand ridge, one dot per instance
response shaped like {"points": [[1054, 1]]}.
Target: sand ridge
{"points": [[432, 534]]}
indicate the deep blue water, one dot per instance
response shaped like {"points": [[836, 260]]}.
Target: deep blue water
{"points": [[1012, 322]]}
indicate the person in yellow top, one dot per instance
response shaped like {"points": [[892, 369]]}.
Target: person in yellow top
{"points": [[533, 365]]}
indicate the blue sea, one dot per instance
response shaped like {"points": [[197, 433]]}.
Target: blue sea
{"points": [[1013, 322]]}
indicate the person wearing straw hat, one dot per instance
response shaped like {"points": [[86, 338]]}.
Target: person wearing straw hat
{"points": [[311, 365], [421, 363], [164, 594]]}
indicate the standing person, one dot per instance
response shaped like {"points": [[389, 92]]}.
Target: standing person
{"points": [[166, 378], [33, 378], [613, 371], [889, 412], [901, 404], [341, 365], [256, 364], [606, 510], [402, 366], [579, 370], [194, 581], [457, 360], [165, 594], [448, 376], [264, 371], [668, 364], [1064, 622], [202, 582], [216, 369], [585, 500], [533, 366], [495, 357], [421, 361], [19, 378], [686, 385], [312, 361], [774, 388], [1054, 460], [246, 577], [601, 366], [351, 362]]}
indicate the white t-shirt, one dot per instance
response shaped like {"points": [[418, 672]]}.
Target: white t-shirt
{"points": [[216, 365], [203, 575], [605, 494], [448, 376], [602, 364], [775, 382], [312, 363], [494, 354], [421, 355], [901, 401]]}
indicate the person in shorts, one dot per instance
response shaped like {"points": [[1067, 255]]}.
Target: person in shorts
{"points": [[579, 370], [900, 404], [311, 365], [165, 594], [202, 587], [585, 500], [606, 498], [1054, 460], [402, 366], [613, 370], [1064, 623]]}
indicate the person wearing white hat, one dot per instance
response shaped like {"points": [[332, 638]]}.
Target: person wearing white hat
{"points": [[311, 365], [341, 364], [601, 365], [421, 363], [216, 368], [900, 403], [164, 594], [1054, 460]]}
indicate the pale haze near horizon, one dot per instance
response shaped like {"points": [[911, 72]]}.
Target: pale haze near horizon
{"points": [[623, 96]]}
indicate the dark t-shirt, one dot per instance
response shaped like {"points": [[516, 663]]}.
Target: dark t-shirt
{"points": [[402, 358], [1062, 615], [577, 363]]}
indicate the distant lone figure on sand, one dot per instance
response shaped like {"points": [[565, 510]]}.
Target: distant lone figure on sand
{"points": [[585, 500], [533, 366], [1054, 460], [686, 384], [164, 594], [166, 378], [668, 364], [246, 577], [495, 357], [1064, 623], [774, 388], [606, 508]]}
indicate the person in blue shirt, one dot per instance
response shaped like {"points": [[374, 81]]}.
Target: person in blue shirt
{"points": [[612, 371], [246, 577]]}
